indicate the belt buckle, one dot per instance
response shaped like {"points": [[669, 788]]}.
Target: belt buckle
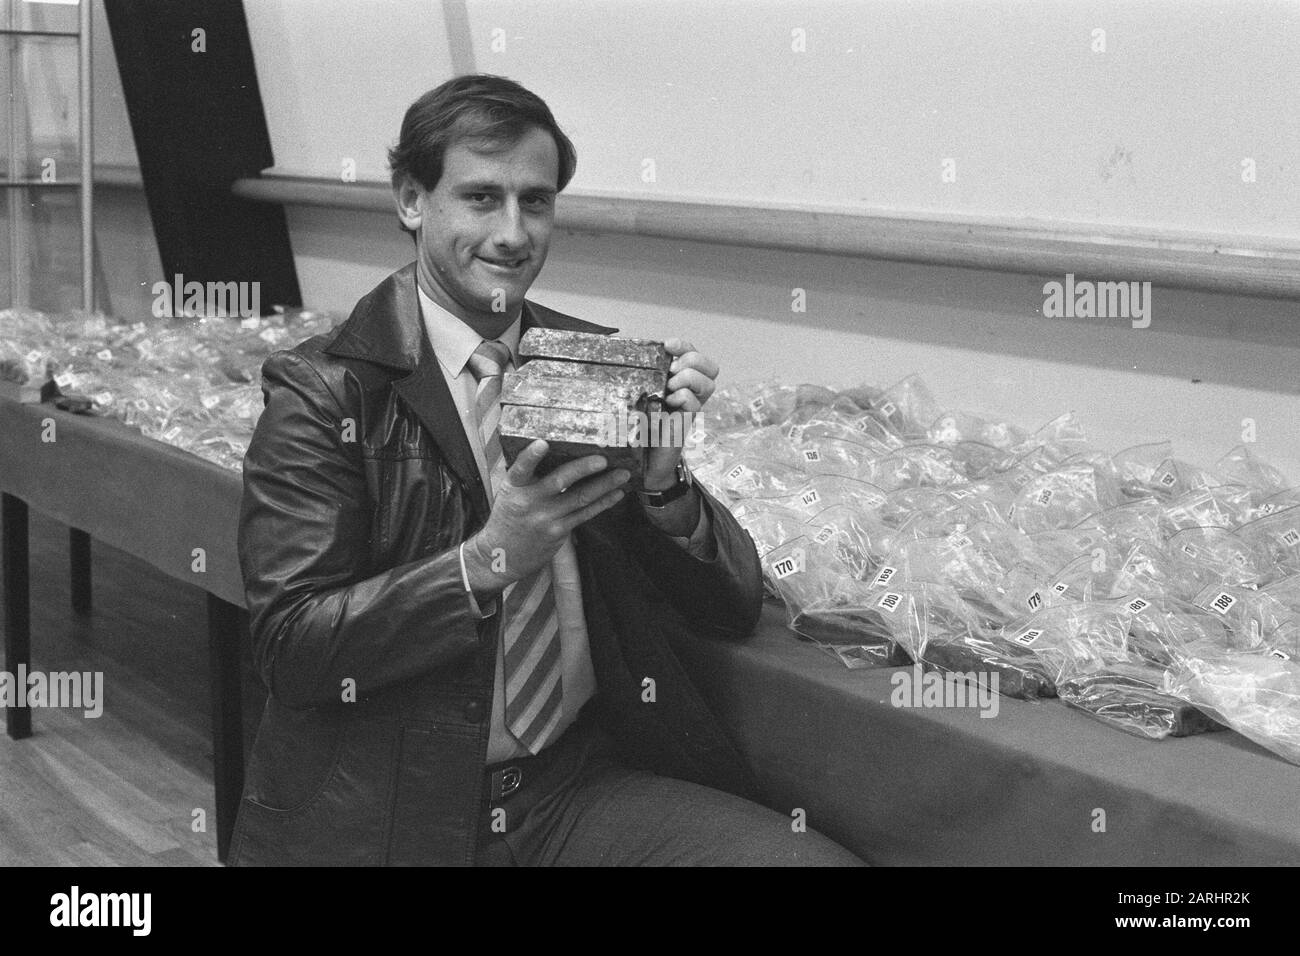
{"points": [[511, 778]]}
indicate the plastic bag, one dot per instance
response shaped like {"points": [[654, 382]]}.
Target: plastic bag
{"points": [[1244, 467], [1098, 655], [1256, 693], [955, 426], [1222, 506], [1275, 542], [825, 604], [907, 408], [1059, 499]]}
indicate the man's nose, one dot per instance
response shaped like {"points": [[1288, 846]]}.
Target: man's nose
{"points": [[508, 231]]}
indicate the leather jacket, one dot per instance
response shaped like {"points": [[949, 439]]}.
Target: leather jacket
{"points": [[359, 485]]}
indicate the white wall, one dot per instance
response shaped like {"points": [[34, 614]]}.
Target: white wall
{"points": [[1151, 132]]}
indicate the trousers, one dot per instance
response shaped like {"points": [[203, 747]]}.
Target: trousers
{"points": [[585, 808]]}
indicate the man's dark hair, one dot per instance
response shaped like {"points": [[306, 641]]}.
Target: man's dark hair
{"points": [[489, 111]]}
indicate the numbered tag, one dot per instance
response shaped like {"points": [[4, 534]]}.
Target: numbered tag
{"points": [[884, 576], [1190, 550], [1044, 497], [1167, 479], [1060, 587], [65, 380], [1280, 655], [958, 540], [102, 398], [890, 601], [809, 498], [825, 534], [1021, 479], [1034, 601], [251, 322], [794, 433], [172, 433], [1137, 605], [1290, 537], [792, 563], [812, 455], [1223, 602], [741, 477], [1028, 636], [104, 355]]}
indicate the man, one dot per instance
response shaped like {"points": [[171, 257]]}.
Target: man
{"points": [[457, 654]]}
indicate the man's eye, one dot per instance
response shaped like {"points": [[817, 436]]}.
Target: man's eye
{"points": [[538, 202], [480, 198]]}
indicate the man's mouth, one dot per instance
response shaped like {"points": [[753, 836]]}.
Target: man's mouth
{"points": [[507, 265]]}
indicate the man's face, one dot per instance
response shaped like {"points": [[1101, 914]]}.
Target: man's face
{"points": [[485, 228]]}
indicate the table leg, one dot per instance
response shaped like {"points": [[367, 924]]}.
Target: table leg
{"points": [[227, 716], [18, 607], [79, 568]]}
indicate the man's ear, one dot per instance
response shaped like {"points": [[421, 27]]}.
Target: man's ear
{"points": [[407, 196]]}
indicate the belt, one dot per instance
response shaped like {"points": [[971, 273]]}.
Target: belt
{"points": [[508, 777]]}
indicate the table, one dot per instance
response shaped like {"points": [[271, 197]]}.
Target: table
{"points": [[151, 500], [899, 786], [914, 786]]}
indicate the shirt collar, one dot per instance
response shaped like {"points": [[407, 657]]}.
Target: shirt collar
{"points": [[454, 341]]}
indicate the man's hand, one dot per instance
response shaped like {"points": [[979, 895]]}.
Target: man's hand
{"points": [[691, 382], [531, 516]]}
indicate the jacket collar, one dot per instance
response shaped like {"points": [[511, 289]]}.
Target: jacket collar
{"points": [[385, 329], [385, 326]]}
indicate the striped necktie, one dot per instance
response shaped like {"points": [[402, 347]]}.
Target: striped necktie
{"points": [[531, 624]]}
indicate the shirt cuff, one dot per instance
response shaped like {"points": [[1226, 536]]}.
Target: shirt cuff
{"points": [[700, 544], [469, 593]]}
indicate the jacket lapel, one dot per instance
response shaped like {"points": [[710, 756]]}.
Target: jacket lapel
{"points": [[385, 328]]}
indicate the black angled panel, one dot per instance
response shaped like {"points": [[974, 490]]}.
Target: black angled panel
{"points": [[198, 125]]}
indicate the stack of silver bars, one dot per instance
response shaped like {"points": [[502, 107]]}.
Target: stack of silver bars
{"points": [[585, 394]]}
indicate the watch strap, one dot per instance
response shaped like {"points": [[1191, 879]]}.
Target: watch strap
{"points": [[661, 499]]}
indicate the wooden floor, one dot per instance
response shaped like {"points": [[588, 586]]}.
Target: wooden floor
{"points": [[120, 789]]}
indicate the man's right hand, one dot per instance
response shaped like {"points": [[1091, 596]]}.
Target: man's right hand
{"points": [[531, 517]]}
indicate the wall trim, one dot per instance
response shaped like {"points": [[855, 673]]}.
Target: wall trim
{"points": [[1234, 265]]}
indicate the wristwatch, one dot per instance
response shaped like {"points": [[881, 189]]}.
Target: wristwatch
{"points": [[661, 499]]}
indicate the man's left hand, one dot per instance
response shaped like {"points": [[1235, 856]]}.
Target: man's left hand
{"points": [[691, 381]]}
